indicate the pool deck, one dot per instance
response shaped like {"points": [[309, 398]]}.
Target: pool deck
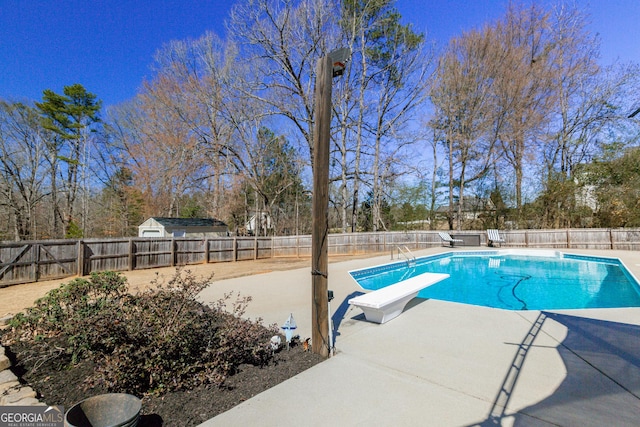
{"points": [[447, 364]]}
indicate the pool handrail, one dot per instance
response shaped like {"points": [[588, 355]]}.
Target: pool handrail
{"points": [[407, 254]]}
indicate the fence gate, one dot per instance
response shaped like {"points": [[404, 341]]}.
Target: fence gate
{"points": [[25, 262]]}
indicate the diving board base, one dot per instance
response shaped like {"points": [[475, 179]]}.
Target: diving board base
{"points": [[382, 315]]}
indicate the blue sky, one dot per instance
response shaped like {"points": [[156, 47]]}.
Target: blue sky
{"points": [[108, 45]]}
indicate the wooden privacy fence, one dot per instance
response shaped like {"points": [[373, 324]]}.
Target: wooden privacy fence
{"points": [[32, 261]]}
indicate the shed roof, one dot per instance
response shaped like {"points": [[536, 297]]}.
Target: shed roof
{"points": [[189, 222]]}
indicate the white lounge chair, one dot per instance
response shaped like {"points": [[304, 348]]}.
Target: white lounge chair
{"points": [[493, 237], [446, 238]]}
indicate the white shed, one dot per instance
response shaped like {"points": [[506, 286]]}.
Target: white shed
{"points": [[182, 227]]}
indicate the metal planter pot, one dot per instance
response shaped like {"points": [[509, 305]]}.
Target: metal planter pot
{"points": [[105, 410]]}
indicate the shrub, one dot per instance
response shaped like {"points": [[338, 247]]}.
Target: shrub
{"points": [[159, 340], [69, 309]]}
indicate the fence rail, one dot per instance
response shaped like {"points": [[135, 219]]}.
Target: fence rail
{"points": [[32, 261]]}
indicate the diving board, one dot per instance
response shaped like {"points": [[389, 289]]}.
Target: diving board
{"points": [[384, 304]]}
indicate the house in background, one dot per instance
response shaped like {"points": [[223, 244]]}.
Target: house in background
{"points": [[473, 208], [182, 227], [260, 223]]}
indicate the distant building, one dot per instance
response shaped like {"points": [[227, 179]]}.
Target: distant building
{"points": [[182, 227], [586, 194], [260, 222], [472, 208]]}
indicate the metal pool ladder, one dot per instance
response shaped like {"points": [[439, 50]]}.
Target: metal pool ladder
{"points": [[406, 254]]}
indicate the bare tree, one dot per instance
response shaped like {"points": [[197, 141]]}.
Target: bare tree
{"points": [[400, 90], [523, 90], [358, 22], [22, 169], [283, 39], [205, 71], [162, 149], [383, 86], [591, 100], [588, 115], [462, 95]]}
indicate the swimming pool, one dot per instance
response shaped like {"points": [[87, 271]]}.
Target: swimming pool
{"points": [[516, 279]]}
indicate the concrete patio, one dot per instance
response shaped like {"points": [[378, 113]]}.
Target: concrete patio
{"points": [[447, 364]]}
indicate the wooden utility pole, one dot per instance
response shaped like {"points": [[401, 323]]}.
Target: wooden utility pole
{"points": [[320, 343]]}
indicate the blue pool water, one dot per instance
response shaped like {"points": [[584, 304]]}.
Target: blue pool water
{"points": [[516, 281]]}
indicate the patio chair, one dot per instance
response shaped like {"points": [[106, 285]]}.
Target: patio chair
{"points": [[446, 238], [493, 237]]}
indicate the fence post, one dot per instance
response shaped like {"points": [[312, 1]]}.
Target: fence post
{"points": [[611, 238], [206, 250], [255, 248], [526, 239], [36, 263], [272, 250], [80, 257], [173, 252], [132, 257], [235, 249], [568, 238], [384, 241]]}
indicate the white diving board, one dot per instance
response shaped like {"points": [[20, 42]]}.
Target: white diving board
{"points": [[384, 304]]}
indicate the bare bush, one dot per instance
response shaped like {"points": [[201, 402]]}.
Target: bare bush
{"points": [[160, 340]]}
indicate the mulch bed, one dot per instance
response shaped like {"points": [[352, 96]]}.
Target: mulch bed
{"points": [[59, 384]]}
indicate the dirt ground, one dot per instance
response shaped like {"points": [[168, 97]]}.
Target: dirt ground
{"points": [[15, 298]]}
